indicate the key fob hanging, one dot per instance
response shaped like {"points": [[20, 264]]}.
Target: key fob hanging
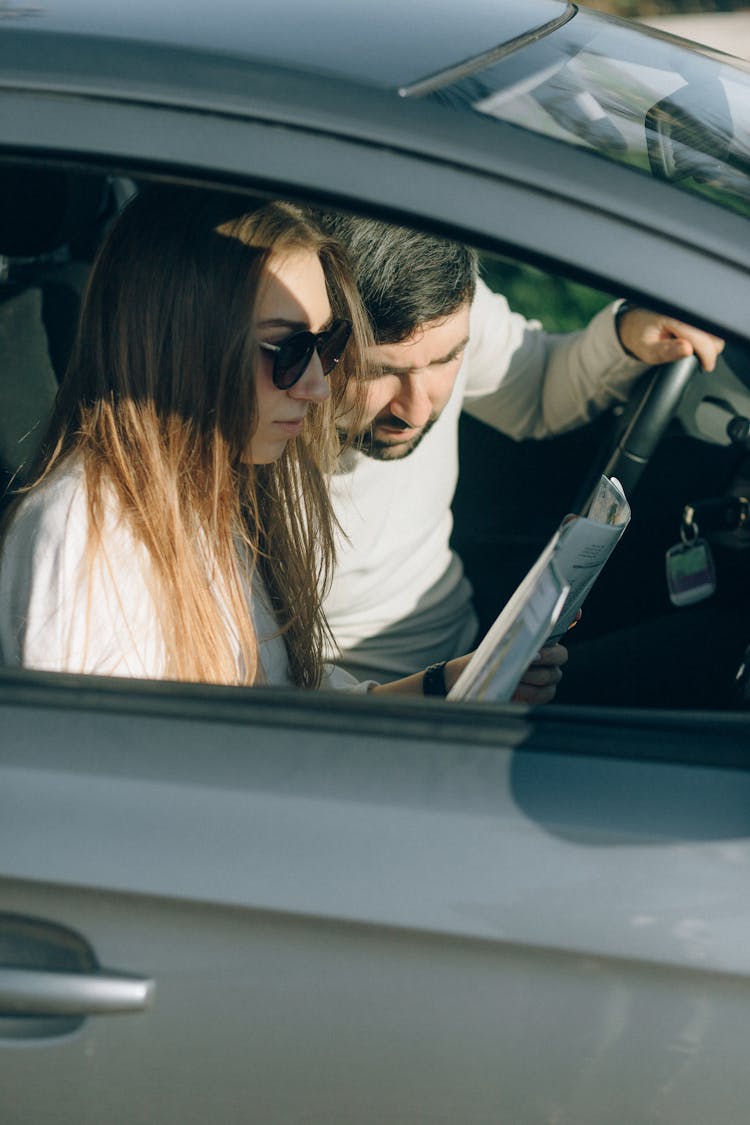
{"points": [[691, 575]]}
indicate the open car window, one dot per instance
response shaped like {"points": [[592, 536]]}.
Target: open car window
{"points": [[631, 648]]}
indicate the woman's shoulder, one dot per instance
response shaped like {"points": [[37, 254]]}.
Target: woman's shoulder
{"points": [[52, 510]]}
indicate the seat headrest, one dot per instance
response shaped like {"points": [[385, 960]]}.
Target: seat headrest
{"points": [[42, 209]]}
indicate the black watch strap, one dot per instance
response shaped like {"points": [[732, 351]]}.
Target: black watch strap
{"points": [[623, 308], [433, 679]]}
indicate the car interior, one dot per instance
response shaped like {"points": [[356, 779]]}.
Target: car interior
{"points": [[51, 221], [633, 647], [681, 444]]}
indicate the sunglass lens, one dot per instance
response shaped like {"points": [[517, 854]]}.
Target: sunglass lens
{"points": [[331, 348], [296, 352], [291, 361]]}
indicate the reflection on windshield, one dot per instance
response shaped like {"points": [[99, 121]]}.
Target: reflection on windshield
{"points": [[633, 96]]}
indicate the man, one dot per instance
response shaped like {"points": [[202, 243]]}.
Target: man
{"points": [[444, 343]]}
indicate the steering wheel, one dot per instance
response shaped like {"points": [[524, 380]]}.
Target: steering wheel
{"points": [[662, 389]]}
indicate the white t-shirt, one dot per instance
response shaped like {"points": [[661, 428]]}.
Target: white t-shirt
{"points": [[58, 615], [399, 598]]}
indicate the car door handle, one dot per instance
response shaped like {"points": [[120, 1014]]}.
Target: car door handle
{"points": [[38, 992]]}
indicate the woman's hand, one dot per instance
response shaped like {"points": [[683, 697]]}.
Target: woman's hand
{"points": [[539, 682]]}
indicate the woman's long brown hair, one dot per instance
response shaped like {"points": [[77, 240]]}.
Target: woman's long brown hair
{"points": [[158, 403]]}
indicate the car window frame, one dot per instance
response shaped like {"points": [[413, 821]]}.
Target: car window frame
{"points": [[418, 190], [499, 169]]}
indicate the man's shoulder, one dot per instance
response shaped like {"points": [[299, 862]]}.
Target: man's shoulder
{"points": [[491, 326], [496, 335], [487, 302]]}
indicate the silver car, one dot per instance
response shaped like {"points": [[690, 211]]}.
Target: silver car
{"points": [[232, 905]]}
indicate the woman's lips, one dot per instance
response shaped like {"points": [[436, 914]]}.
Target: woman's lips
{"points": [[293, 427]]}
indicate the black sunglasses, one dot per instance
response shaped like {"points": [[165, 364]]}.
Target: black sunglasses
{"points": [[292, 356]]}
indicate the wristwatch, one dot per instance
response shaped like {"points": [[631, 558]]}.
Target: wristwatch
{"points": [[620, 311], [433, 679]]}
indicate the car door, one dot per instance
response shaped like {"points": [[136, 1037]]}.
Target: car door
{"points": [[349, 912]]}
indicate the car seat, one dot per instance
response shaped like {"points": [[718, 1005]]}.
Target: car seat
{"points": [[50, 222]]}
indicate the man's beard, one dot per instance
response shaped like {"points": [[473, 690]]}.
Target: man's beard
{"points": [[379, 450]]}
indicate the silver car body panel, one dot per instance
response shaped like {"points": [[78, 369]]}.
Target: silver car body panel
{"points": [[407, 924]]}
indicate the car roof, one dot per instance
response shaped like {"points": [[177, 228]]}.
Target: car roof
{"points": [[382, 44], [124, 88]]}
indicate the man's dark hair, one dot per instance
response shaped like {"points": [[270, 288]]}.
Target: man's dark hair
{"points": [[406, 278]]}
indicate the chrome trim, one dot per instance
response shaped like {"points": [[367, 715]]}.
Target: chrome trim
{"points": [[480, 62]]}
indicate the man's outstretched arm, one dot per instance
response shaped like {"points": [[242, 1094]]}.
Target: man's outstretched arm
{"points": [[529, 383]]}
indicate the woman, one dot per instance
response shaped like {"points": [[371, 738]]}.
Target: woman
{"points": [[178, 525]]}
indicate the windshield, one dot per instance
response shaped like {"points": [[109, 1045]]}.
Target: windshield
{"points": [[632, 95]]}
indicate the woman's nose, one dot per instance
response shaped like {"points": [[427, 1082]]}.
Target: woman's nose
{"points": [[313, 385]]}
